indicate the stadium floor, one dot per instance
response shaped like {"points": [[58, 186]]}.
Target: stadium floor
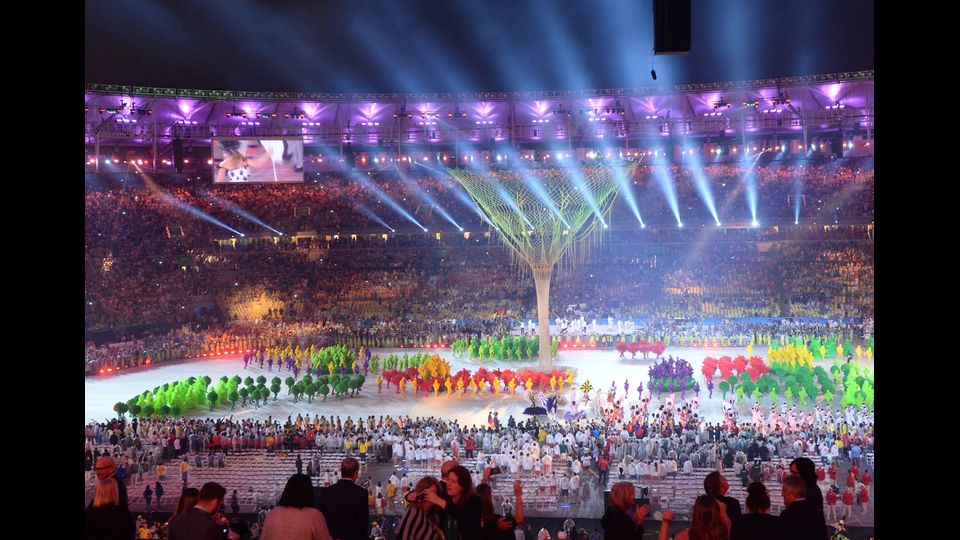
{"points": [[601, 367]]}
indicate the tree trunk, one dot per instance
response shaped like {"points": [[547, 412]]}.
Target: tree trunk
{"points": [[541, 278]]}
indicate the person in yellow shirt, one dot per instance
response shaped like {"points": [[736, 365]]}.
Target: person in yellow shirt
{"points": [[391, 494]]}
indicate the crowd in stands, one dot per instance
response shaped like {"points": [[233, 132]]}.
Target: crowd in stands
{"points": [[546, 464], [158, 286]]}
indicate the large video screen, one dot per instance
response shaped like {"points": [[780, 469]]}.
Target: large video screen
{"points": [[248, 161]]}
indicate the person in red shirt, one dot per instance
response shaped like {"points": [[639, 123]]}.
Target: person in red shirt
{"points": [[867, 478], [832, 471], [855, 470], [848, 500], [603, 466], [851, 480], [821, 474], [864, 497], [831, 500]]}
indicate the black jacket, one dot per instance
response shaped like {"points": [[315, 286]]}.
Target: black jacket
{"points": [[802, 520], [109, 522], [194, 525], [757, 527], [617, 525], [344, 506], [733, 508]]}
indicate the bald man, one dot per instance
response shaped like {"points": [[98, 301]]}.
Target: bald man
{"points": [[106, 467]]}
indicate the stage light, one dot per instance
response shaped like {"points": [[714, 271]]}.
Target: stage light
{"points": [[755, 224]]}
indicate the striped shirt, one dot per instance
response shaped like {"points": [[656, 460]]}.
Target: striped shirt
{"points": [[418, 525]]}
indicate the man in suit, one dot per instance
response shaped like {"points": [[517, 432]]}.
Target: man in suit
{"points": [[801, 517], [344, 504], [203, 522]]}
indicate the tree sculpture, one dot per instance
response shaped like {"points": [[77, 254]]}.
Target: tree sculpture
{"points": [[540, 213]]}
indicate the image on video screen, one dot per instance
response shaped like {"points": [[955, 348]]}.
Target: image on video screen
{"points": [[248, 161]]}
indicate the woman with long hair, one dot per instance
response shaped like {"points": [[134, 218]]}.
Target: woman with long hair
{"points": [[461, 502], [420, 521], [618, 522], [709, 522], [104, 519], [188, 499], [295, 518]]}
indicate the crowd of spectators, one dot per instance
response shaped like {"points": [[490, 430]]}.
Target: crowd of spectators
{"points": [[158, 280], [635, 444]]}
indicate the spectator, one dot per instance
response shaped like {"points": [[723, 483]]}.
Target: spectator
{"points": [[709, 521], [617, 521], [158, 491], [715, 485], [105, 518], [496, 526], [462, 502], [188, 499], [295, 518], [202, 522], [801, 519], [807, 471], [757, 523], [420, 521], [105, 468], [344, 504]]}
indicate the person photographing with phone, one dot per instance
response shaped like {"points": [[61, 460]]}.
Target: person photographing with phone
{"points": [[624, 518], [495, 526]]}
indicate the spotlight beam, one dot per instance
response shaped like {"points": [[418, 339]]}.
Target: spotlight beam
{"points": [[459, 193], [422, 193], [627, 192], [536, 187], [387, 199], [702, 185], [662, 174], [750, 181], [233, 207], [362, 208], [169, 199]]}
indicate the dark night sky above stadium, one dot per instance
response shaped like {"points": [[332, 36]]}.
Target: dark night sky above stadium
{"points": [[461, 45]]}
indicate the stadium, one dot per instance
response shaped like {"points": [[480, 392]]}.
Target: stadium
{"points": [[580, 288]]}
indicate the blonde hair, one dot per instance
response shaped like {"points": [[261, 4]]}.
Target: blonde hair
{"points": [[622, 495], [106, 493]]}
